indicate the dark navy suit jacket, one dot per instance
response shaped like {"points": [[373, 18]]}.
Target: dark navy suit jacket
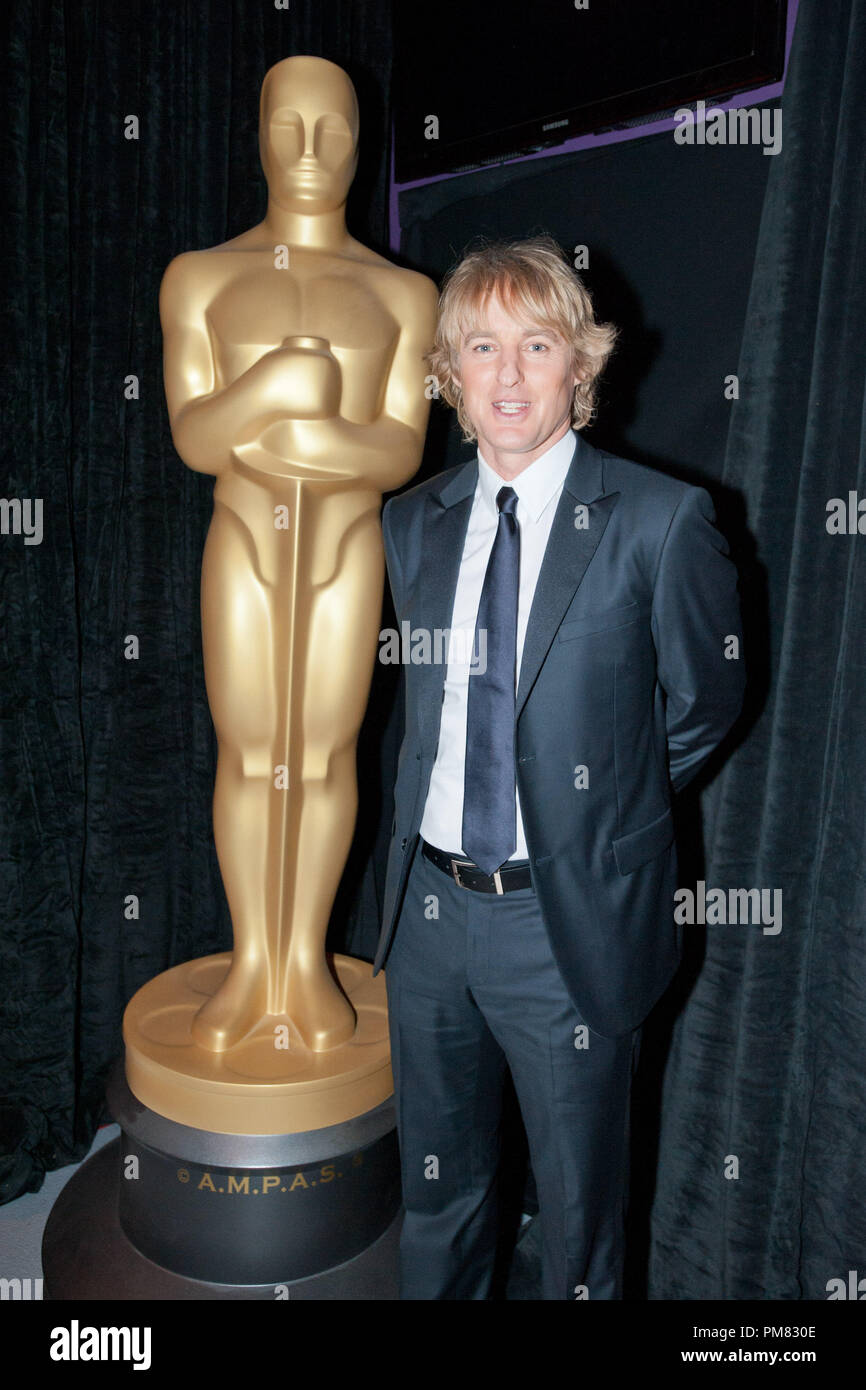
{"points": [[624, 673]]}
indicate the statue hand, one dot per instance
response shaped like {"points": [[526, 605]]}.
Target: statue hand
{"points": [[301, 379]]}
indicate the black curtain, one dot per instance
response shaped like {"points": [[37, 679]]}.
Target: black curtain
{"points": [[108, 762], [767, 1057]]}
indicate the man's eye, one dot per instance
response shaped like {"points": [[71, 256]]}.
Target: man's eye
{"points": [[479, 346], [539, 345]]}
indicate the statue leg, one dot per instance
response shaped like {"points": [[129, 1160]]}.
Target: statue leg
{"points": [[344, 562], [239, 642]]}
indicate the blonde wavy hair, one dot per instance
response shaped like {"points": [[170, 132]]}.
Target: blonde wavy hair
{"points": [[534, 281]]}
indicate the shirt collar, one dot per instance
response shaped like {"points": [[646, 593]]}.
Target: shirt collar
{"points": [[537, 484]]}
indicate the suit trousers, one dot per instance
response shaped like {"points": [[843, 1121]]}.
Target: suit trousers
{"points": [[473, 988]]}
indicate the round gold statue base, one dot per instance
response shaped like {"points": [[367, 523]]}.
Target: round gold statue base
{"points": [[270, 1082]]}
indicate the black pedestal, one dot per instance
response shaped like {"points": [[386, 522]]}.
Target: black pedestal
{"points": [[171, 1212]]}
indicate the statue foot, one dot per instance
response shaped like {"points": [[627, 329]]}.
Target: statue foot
{"points": [[238, 1005], [320, 1011]]}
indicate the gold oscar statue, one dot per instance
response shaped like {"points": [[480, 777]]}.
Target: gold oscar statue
{"points": [[294, 373]]}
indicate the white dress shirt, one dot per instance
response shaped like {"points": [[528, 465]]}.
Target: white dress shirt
{"points": [[538, 490]]}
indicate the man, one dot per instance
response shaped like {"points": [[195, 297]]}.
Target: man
{"points": [[529, 906]]}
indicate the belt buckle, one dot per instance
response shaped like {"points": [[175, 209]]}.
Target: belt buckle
{"points": [[467, 863]]}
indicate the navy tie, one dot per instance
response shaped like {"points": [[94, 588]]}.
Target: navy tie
{"points": [[489, 817]]}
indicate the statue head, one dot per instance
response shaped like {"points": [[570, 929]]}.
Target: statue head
{"points": [[308, 134]]}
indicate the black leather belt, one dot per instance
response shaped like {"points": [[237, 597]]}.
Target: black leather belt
{"points": [[468, 875]]}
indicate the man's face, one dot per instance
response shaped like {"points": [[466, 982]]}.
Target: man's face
{"points": [[518, 386]]}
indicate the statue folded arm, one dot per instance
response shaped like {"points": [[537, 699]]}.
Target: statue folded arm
{"points": [[208, 420], [385, 451], [214, 424]]}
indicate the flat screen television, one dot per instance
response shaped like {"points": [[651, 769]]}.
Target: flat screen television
{"points": [[480, 81]]}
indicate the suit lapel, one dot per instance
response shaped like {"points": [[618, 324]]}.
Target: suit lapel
{"points": [[446, 520], [570, 547]]}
